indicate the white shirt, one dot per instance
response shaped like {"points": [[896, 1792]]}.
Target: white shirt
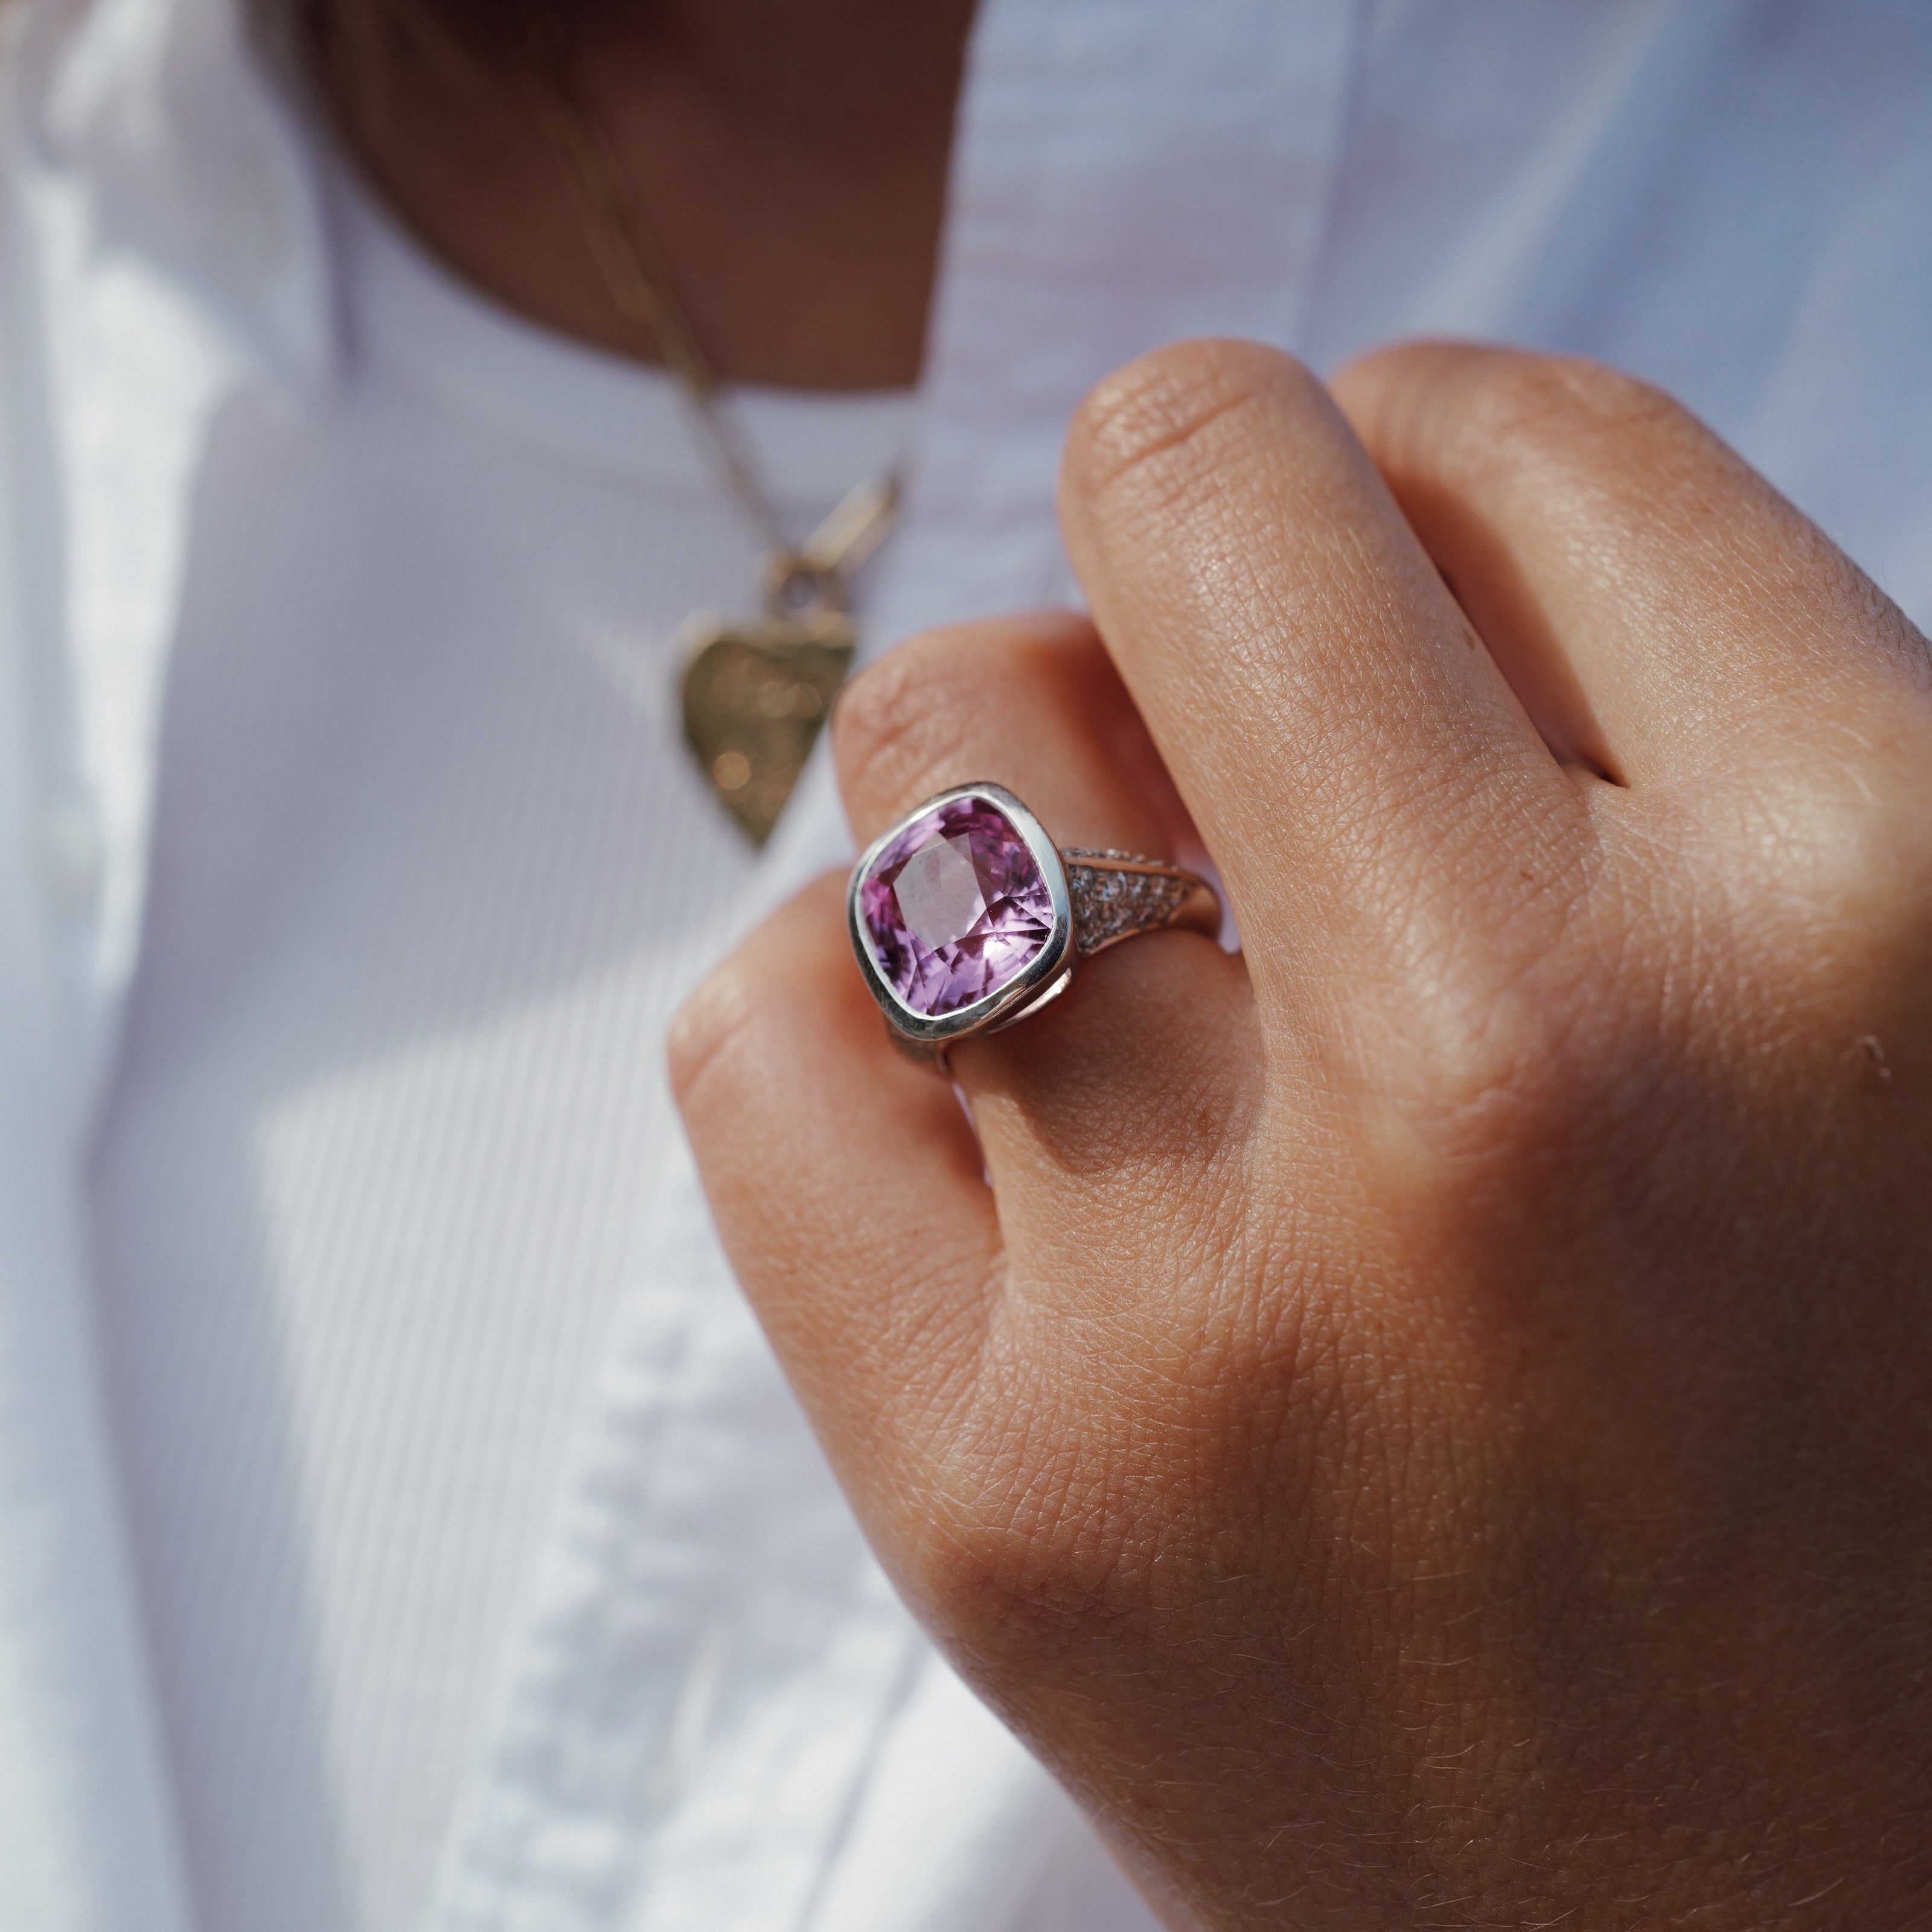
{"points": [[431, 870], [708, 1710]]}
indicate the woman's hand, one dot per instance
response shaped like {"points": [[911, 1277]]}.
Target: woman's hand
{"points": [[1430, 1423]]}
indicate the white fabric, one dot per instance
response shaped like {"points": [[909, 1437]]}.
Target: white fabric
{"points": [[364, 1190], [708, 1710]]}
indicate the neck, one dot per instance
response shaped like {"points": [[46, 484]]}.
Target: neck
{"points": [[790, 157]]}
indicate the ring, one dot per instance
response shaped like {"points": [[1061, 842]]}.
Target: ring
{"points": [[967, 917]]}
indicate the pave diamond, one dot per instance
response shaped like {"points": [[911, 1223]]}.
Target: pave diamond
{"points": [[955, 907], [1110, 905]]}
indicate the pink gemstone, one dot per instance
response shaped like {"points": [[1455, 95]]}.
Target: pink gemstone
{"points": [[955, 907]]}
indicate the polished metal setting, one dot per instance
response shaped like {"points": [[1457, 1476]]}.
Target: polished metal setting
{"points": [[1098, 898], [1044, 977]]}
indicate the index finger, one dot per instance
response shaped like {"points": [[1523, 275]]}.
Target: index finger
{"points": [[1349, 751]]}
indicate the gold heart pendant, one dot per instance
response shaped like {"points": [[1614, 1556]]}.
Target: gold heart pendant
{"points": [[757, 692]]}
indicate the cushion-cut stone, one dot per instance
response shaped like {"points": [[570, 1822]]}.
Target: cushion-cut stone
{"points": [[955, 907], [938, 892]]}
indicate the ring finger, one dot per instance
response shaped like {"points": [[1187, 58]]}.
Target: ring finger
{"points": [[1074, 1107]]}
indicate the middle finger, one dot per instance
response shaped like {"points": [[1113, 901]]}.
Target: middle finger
{"points": [[1361, 769]]}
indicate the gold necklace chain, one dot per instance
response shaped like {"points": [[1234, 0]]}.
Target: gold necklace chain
{"points": [[631, 261], [754, 692]]}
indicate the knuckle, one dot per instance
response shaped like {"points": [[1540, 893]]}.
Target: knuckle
{"points": [[1001, 1593], [927, 711], [1903, 849], [1561, 407], [1825, 826], [1484, 1050], [1470, 1069], [1032, 1498], [745, 1019], [1854, 849], [710, 1040], [1158, 428], [1029, 1572], [885, 717]]}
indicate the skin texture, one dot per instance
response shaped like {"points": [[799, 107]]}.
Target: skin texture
{"points": [[792, 160], [1422, 1422]]}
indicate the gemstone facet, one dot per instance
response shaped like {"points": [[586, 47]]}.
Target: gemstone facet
{"points": [[955, 907]]}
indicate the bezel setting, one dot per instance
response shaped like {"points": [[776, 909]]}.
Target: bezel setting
{"points": [[1044, 976]]}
